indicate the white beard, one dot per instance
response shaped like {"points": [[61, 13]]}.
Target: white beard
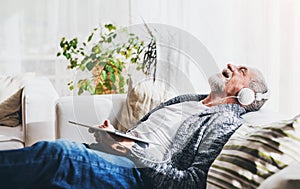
{"points": [[217, 83]]}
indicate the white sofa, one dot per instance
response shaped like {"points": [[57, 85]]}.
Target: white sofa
{"points": [[94, 109], [38, 116], [86, 109]]}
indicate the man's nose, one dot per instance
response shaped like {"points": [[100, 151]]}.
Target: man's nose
{"points": [[232, 67]]}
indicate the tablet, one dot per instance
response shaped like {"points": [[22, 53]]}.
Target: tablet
{"points": [[116, 133]]}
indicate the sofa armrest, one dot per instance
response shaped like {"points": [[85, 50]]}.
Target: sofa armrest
{"points": [[38, 110], [93, 110]]}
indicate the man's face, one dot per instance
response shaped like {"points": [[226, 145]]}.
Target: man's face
{"points": [[231, 80]]}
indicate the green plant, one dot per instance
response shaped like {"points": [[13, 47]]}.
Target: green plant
{"points": [[106, 59]]}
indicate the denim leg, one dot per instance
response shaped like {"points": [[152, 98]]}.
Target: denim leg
{"points": [[117, 160], [62, 164]]}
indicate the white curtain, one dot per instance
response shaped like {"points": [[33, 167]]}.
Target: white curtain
{"points": [[31, 30], [258, 33]]}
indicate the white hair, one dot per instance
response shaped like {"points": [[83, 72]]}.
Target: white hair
{"points": [[258, 85]]}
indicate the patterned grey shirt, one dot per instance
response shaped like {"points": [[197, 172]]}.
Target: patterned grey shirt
{"points": [[197, 143]]}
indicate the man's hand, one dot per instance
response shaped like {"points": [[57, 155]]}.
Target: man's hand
{"points": [[100, 136], [111, 143]]}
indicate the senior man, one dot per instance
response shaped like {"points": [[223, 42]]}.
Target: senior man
{"points": [[192, 142]]}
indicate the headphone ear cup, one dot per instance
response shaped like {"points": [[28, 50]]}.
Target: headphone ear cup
{"points": [[246, 96]]}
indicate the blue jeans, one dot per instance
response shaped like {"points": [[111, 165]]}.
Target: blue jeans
{"points": [[64, 164]]}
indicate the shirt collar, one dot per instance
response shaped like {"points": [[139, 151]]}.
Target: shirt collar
{"points": [[236, 108]]}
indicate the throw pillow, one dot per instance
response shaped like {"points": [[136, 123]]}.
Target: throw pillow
{"points": [[10, 110], [254, 153], [10, 97], [142, 98]]}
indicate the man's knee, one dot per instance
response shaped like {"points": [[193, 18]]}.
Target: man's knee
{"points": [[58, 147]]}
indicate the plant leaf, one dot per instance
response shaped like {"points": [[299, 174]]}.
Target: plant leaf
{"points": [[109, 68], [133, 60], [96, 49], [90, 89], [90, 65], [108, 85], [73, 43], [68, 55], [90, 37], [99, 89], [71, 87], [82, 67], [121, 82], [112, 77], [62, 44], [80, 91], [104, 74], [114, 87], [110, 27]]}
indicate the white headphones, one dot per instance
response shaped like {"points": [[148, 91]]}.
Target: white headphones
{"points": [[247, 96]]}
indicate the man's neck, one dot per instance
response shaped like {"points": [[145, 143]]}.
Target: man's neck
{"points": [[215, 99]]}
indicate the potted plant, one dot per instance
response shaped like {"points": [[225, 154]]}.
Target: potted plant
{"points": [[106, 58]]}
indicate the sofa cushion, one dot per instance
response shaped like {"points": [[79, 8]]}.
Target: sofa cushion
{"points": [[10, 110], [11, 137], [12, 132], [254, 153], [90, 110], [11, 144], [142, 97], [10, 98]]}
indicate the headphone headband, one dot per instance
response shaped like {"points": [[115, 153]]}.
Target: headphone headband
{"points": [[262, 96]]}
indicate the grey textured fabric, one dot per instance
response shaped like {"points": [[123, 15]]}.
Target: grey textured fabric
{"points": [[197, 143]]}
